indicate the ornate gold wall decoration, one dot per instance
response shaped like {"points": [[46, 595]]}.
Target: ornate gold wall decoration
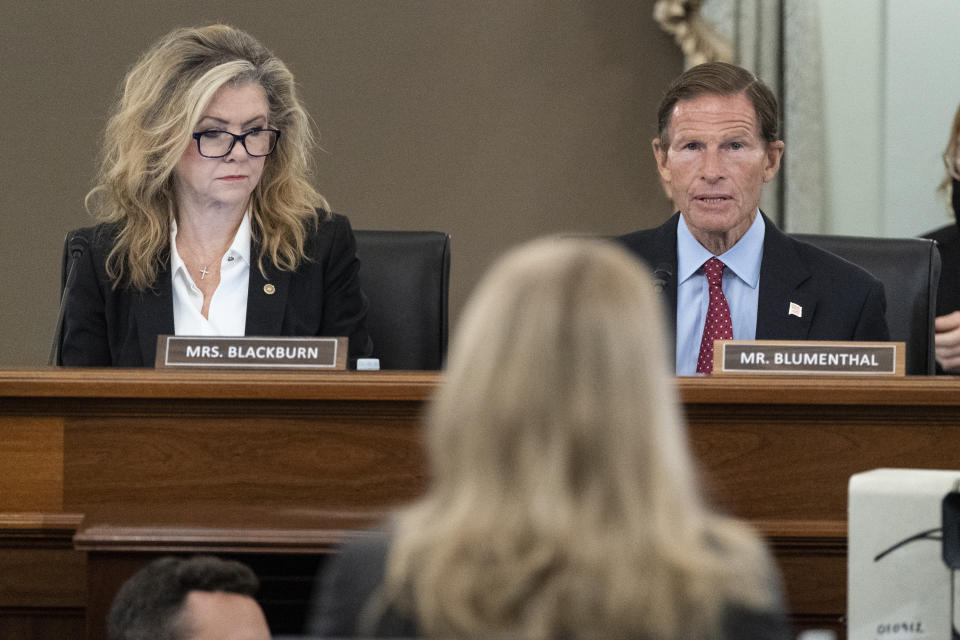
{"points": [[697, 39]]}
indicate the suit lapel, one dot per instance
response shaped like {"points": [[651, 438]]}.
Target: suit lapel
{"points": [[266, 297], [784, 312], [153, 313], [664, 251]]}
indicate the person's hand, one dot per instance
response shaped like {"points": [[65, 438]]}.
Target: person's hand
{"points": [[947, 341]]}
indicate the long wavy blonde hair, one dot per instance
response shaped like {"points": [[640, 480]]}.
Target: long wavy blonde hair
{"points": [[563, 501], [163, 98]]}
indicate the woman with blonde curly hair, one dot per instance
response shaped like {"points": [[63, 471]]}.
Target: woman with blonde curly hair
{"points": [[209, 224], [563, 500]]}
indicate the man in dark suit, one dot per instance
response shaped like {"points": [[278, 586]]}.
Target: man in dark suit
{"points": [[718, 144]]}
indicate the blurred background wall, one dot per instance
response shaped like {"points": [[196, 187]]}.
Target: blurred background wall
{"points": [[890, 91], [492, 121]]}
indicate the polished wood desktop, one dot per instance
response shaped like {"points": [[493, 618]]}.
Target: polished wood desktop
{"points": [[777, 451]]}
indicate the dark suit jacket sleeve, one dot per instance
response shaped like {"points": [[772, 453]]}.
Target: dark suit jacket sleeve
{"points": [[84, 341], [339, 598], [948, 243], [872, 325], [345, 587], [344, 303], [742, 623]]}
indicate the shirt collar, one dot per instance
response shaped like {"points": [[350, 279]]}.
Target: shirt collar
{"points": [[176, 262], [239, 248], [743, 258]]}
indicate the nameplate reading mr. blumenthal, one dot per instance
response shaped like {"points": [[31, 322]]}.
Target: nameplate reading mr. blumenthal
{"points": [[811, 357], [251, 352]]}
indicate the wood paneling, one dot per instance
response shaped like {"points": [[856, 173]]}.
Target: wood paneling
{"points": [[243, 454], [41, 624], [31, 462], [42, 577], [776, 451], [794, 461], [39, 567], [785, 448], [812, 556]]}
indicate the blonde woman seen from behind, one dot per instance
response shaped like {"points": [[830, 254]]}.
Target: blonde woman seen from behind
{"points": [[563, 501]]}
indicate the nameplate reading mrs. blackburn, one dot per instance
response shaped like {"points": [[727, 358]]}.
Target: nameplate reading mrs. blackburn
{"points": [[810, 357], [251, 352]]}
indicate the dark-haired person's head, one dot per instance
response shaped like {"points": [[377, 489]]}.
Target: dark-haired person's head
{"points": [[199, 598]]}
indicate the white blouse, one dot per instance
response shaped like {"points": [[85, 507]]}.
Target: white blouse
{"points": [[228, 307]]}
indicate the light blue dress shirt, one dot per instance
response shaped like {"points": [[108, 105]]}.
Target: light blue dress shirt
{"points": [[741, 288]]}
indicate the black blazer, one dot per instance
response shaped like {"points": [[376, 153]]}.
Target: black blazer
{"points": [[105, 326], [357, 571], [948, 242], [840, 300]]}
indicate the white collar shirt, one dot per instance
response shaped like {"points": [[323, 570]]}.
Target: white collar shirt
{"points": [[741, 288], [228, 307]]}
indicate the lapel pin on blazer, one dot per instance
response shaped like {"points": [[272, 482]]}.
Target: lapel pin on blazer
{"points": [[795, 310], [269, 289]]}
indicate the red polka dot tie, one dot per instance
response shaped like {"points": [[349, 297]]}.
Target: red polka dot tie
{"points": [[718, 325]]}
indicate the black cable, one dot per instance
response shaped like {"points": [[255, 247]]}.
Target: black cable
{"points": [[917, 536]]}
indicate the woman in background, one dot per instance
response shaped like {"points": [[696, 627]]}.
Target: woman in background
{"points": [[209, 224], [563, 500], [947, 324]]}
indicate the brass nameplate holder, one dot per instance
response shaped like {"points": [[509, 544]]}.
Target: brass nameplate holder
{"points": [[251, 352], [809, 357]]}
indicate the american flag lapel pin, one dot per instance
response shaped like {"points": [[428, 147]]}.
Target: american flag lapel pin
{"points": [[795, 310]]}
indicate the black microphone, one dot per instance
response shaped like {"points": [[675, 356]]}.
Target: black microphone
{"points": [[661, 276], [76, 247]]}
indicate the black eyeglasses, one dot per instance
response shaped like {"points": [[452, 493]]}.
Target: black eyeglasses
{"points": [[215, 143]]}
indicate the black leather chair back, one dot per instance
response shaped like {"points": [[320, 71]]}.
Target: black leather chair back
{"points": [[406, 276], [909, 269]]}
